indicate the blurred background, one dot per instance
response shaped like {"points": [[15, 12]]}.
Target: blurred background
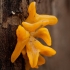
{"points": [[60, 33]]}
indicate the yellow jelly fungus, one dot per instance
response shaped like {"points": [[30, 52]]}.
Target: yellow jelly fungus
{"points": [[21, 33], [27, 44], [44, 34], [35, 26], [34, 17], [33, 47], [22, 38]]}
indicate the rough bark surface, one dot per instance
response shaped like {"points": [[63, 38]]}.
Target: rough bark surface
{"points": [[12, 13]]}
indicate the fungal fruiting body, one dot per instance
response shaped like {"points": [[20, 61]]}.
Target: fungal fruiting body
{"points": [[34, 17], [27, 43]]}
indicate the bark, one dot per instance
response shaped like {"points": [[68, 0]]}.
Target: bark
{"points": [[8, 26], [12, 13]]}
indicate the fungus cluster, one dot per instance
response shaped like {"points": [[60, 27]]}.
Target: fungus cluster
{"points": [[32, 28]]}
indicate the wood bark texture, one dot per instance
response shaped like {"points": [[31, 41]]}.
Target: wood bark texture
{"points": [[12, 13]]}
